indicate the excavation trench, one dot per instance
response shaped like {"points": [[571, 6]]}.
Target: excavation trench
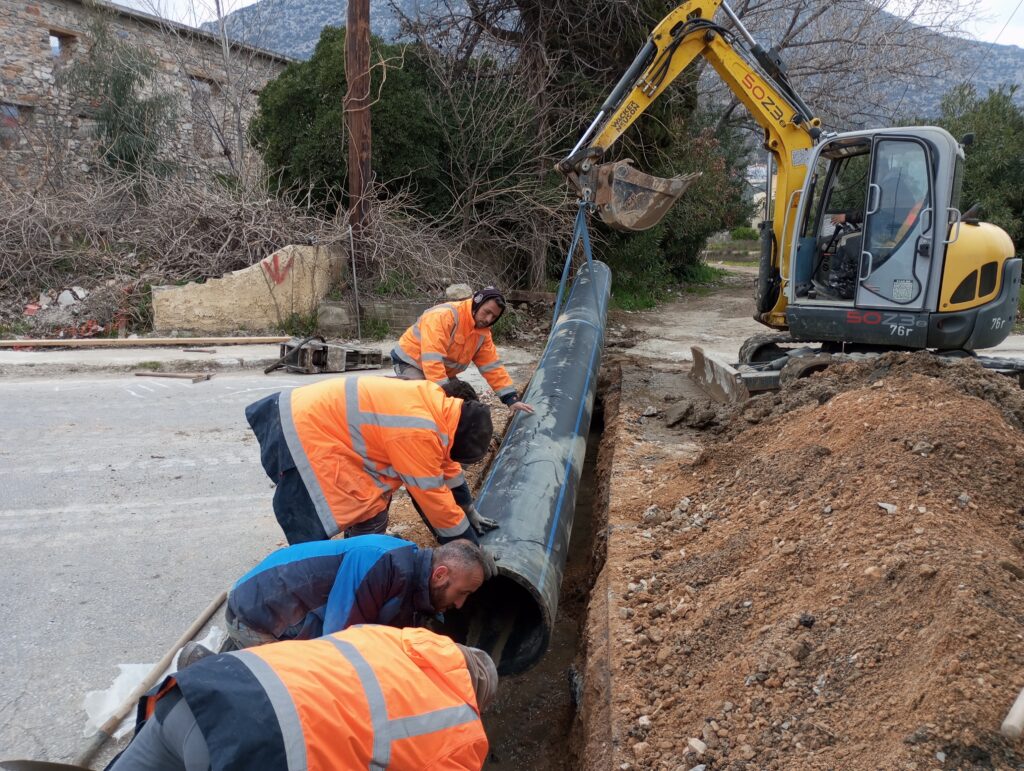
{"points": [[530, 724]]}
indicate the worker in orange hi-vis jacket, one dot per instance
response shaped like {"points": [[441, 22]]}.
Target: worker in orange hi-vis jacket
{"points": [[338, 450], [447, 338], [368, 697]]}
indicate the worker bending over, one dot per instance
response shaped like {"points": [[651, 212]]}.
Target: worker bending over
{"points": [[368, 697], [338, 450], [447, 338], [311, 589]]}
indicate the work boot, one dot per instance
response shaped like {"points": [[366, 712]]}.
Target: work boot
{"points": [[190, 653]]}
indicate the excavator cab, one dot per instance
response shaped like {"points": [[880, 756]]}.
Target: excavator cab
{"points": [[881, 248]]}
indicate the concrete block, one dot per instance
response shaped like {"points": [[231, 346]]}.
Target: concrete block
{"points": [[336, 319], [293, 280]]}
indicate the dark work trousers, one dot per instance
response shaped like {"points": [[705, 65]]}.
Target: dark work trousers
{"points": [[169, 741], [293, 507]]}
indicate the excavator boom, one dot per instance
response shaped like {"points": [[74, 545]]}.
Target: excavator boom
{"points": [[629, 199]]}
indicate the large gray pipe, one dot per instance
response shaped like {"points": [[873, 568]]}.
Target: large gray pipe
{"points": [[531, 489]]}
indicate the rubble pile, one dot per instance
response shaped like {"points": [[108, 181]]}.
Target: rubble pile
{"points": [[835, 583]]}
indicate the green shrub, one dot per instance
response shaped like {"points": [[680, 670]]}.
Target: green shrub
{"points": [[374, 328], [507, 326], [743, 234], [300, 324]]}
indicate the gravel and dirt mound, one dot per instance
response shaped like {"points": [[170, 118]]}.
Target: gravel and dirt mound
{"points": [[836, 586]]}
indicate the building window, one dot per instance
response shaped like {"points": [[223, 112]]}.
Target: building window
{"points": [[13, 118], [204, 94], [61, 44]]}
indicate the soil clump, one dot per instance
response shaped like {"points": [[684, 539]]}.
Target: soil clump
{"points": [[833, 584]]}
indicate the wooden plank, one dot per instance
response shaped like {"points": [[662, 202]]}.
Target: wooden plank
{"points": [[139, 342], [195, 377]]}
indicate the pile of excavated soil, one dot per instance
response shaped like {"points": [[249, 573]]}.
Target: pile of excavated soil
{"points": [[836, 586]]}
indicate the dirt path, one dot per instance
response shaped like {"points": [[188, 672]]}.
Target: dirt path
{"points": [[719, 322]]}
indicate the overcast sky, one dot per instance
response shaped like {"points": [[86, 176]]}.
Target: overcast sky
{"points": [[992, 28]]}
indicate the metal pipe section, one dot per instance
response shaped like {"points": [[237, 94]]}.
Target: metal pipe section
{"points": [[531, 488]]}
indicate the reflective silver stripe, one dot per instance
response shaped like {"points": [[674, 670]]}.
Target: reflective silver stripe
{"points": [[459, 529], [386, 731], [506, 391], [430, 356], [316, 493], [416, 330], [458, 366], [356, 419], [284, 709], [489, 367], [423, 483], [455, 321], [405, 356], [428, 723], [455, 481], [479, 343], [374, 699], [400, 421]]}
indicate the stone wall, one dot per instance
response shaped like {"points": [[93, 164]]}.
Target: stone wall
{"points": [[47, 136], [289, 283]]}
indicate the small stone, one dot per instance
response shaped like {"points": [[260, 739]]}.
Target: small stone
{"points": [[644, 721], [927, 571], [458, 292], [697, 745], [728, 706], [888, 508], [44, 300], [650, 412], [65, 298], [923, 448], [873, 571], [80, 293], [963, 499], [746, 752], [700, 767], [1013, 568], [878, 384], [826, 509], [940, 756]]}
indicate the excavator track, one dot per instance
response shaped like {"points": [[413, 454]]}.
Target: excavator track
{"points": [[766, 366]]}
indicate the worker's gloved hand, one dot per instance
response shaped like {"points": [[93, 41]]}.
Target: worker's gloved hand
{"points": [[480, 523]]}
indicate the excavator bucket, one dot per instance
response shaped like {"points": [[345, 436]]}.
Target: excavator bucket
{"points": [[628, 199]]}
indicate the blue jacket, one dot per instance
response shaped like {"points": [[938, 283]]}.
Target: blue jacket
{"points": [[311, 589]]}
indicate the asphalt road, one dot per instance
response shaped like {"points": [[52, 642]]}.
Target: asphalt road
{"points": [[126, 505]]}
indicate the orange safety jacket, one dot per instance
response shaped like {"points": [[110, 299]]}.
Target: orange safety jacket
{"points": [[372, 697], [444, 341], [356, 440]]}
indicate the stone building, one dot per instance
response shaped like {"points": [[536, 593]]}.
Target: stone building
{"points": [[49, 134]]}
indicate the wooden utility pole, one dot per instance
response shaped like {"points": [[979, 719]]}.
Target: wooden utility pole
{"points": [[357, 108]]}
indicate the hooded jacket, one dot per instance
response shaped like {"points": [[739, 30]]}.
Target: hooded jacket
{"points": [[310, 589], [368, 697], [444, 341]]}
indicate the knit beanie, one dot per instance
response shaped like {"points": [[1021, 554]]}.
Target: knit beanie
{"points": [[483, 674], [488, 293], [473, 434]]}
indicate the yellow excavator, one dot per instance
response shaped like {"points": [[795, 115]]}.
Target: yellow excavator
{"points": [[864, 247]]}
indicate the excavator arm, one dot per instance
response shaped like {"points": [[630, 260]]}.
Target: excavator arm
{"points": [[631, 200], [757, 77]]}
